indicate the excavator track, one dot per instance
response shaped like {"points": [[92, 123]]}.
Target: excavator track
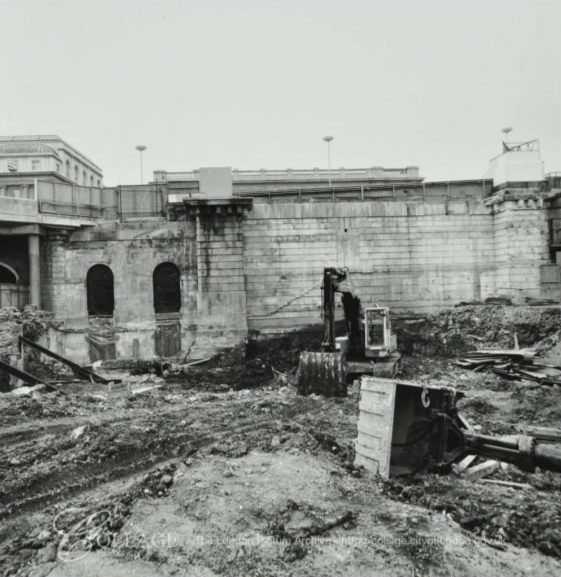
{"points": [[389, 368], [323, 374]]}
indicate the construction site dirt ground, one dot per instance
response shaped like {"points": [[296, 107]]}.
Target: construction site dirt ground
{"points": [[225, 470]]}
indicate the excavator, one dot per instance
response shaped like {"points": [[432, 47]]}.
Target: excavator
{"points": [[368, 348]]}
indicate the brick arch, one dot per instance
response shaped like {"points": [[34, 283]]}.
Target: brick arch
{"points": [[8, 275]]}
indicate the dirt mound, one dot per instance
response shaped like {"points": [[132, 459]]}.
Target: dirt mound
{"points": [[252, 365], [455, 331]]}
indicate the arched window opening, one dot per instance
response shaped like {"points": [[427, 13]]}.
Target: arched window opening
{"points": [[76, 174], [91, 180], [99, 285], [7, 275], [98, 183], [167, 289], [84, 178], [67, 169]]}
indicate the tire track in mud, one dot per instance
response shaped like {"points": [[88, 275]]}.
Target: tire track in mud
{"points": [[38, 481]]}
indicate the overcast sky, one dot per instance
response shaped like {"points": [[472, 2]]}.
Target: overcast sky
{"points": [[252, 84]]}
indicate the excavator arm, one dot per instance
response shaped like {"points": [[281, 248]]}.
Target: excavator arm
{"points": [[335, 280]]}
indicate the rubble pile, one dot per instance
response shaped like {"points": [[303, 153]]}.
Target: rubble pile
{"points": [[257, 364], [31, 323], [452, 332], [10, 330]]}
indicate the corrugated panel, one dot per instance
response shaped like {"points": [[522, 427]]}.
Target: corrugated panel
{"points": [[375, 425]]}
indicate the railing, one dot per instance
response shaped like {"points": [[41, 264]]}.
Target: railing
{"points": [[68, 199], [69, 209], [192, 175], [315, 173]]}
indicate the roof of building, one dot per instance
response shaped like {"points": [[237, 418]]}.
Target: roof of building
{"points": [[27, 148], [52, 138], [14, 138]]}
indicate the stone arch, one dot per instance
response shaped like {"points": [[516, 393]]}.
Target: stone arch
{"points": [[100, 290], [167, 288], [8, 275]]}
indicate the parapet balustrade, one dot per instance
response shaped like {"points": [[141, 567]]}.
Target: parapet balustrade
{"points": [[295, 174]]}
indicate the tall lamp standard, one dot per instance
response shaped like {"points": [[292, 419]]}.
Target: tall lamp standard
{"points": [[328, 139], [506, 131], [141, 148]]}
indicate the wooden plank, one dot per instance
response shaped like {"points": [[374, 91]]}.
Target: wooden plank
{"points": [[77, 369], [27, 377], [511, 484]]}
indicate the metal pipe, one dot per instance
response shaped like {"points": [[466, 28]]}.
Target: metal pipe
{"points": [[478, 440], [548, 456]]}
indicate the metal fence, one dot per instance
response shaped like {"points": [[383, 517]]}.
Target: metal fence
{"points": [[69, 199], [70, 209]]}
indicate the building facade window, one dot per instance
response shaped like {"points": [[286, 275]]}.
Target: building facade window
{"points": [[58, 166], [91, 180], [67, 169], [84, 178], [167, 288], [98, 183], [35, 165], [76, 173], [100, 291]]}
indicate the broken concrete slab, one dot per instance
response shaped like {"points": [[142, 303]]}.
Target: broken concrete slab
{"points": [[460, 467], [482, 470]]}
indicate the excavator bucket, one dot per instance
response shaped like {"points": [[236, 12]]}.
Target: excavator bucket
{"points": [[323, 374], [396, 432]]}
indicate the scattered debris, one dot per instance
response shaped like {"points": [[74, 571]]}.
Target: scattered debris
{"points": [[62, 450], [514, 365], [495, 357]]}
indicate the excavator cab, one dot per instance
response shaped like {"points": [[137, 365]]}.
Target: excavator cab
{"points": [[380, 341]]}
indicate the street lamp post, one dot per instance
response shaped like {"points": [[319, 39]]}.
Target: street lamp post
{"points": [[328, 139], [506, 131], [141, 148]]}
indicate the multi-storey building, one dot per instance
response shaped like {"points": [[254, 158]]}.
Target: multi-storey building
{"points": [[47, 156]]}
